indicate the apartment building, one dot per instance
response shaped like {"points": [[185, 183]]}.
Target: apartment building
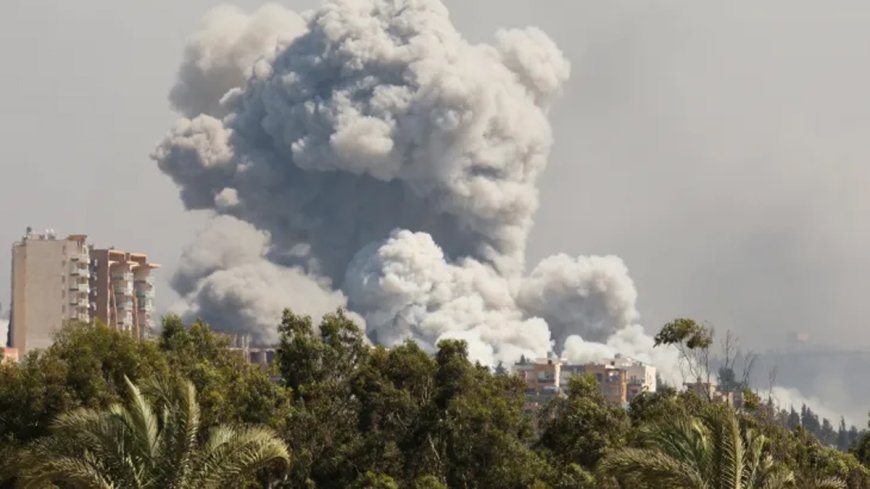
{"points": [[122, 290], [50, 286], [620, 379], [542, 377], [253, 354], [57, 280]]}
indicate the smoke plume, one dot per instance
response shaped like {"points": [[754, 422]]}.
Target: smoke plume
{"points": [[373, 157]]}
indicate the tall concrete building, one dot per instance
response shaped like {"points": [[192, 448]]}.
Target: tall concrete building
{"points": [[57, 280], [50, 286], [122, 290]]}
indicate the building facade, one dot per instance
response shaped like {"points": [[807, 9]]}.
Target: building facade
{"points": [[542, 377], [620, 379], [122, 290], [50, 286], [58, 280]]}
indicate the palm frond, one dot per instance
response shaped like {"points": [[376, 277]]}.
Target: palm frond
{"points": [[232, 454], [655, 468]]}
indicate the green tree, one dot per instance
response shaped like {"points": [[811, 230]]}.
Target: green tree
{"points": [[693, 341], [141, 445], [84, 367], [713, 452], [230, 388], [581, 427], [394, 389], [318, 366], [473, 433]]}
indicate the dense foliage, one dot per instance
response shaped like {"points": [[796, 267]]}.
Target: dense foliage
{"points": [[353, 415]]}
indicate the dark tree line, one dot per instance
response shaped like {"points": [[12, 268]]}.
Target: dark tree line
{"points": [[361, 416]]}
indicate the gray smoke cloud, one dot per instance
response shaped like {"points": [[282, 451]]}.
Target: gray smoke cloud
{"points": [[225, 278], [222, 53], [382, 159]]}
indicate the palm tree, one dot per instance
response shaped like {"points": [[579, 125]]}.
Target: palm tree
{"points": [[135, 446], [693, 453]]}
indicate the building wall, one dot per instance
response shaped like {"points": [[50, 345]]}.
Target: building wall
{"points": [[100, 285], [48, 288], [611, 381], [123, 290]]}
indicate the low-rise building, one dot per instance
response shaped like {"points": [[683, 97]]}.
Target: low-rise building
{"points": [[542, 377], [620, 379]]}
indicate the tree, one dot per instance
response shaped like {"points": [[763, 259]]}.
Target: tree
{"points": [[689, 452], [318, 366], [142, 445], [581, 427], [693, 341], [85, 367], [229, 388], [793, 420]]}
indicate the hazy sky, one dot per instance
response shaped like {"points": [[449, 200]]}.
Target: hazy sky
{"points": [[718, 147]]}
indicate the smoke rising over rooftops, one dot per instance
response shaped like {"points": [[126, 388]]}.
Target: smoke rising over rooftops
{"points": [[369, 156]]}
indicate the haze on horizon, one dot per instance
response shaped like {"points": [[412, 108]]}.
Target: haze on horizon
{"points": [[718, 149]]}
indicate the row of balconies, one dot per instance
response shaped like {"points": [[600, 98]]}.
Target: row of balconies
{"points": [[122, 277], [145, 294], [83, 287], [147, 281], [81, 257]]}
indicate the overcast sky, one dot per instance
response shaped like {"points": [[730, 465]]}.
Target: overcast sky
{"points": [[719, 148]]}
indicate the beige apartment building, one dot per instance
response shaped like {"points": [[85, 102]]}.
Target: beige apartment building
{"points": [[50, 286], [58, 280], [122, 290]]}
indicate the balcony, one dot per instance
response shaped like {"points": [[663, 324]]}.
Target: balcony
{"points": [[145, 282], [82, 256], [122, 277], [144, 295], [123, 290], [125, 305], [79, 272], [80, 287]]}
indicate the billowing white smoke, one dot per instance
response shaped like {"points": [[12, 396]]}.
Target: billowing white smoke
{"points": [[406, 288], [392, 160], [787, 398]]}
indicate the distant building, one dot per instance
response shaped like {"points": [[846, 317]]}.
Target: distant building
{"points": [[542, 377], [710, 390], [122, 290], [257, 355], [57, 280], [49, 287], [620, 379]]}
